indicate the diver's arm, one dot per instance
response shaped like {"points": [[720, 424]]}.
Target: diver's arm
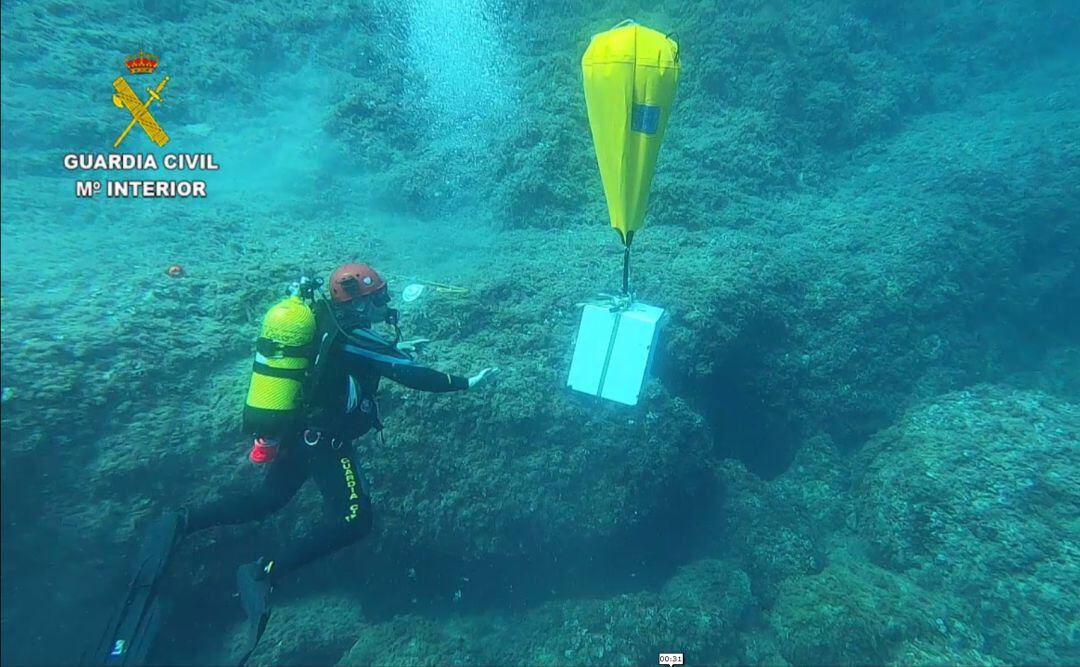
{"points": [[423, 378], [403, 370]]}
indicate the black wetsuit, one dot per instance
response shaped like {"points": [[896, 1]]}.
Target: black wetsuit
{"points": [[342, 396]]}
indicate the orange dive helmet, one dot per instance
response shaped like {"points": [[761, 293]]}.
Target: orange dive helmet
{"points": [[350, 281]]}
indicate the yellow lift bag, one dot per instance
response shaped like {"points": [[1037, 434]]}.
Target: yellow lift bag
{"points": [[630, 73]]}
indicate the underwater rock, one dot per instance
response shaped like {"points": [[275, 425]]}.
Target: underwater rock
{"points": [[508, 473], [785, 527], [696, 612], [311, 630], [976, 493], [851, 613], [706, 601], [415, 640]]}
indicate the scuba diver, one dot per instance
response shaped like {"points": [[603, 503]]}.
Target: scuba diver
{"points": [[318, 364]]}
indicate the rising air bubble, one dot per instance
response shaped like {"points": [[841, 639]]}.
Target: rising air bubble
{"points": [[457, 51]]}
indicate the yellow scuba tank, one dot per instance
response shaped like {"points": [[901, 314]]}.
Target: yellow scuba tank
{"points": [[282, 355]]}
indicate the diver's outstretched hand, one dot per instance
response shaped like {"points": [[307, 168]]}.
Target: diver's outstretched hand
{"points": [[482, 377], [413, 345]]}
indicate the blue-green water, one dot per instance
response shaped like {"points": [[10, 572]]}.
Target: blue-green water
{"points": [[858, 442]]}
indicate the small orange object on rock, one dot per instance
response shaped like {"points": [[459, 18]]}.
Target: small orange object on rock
{"points": [[175, 271]]}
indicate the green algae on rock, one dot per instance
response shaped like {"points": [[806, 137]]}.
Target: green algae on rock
{"points": [[976, 493]]}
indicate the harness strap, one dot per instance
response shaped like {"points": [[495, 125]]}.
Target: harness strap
{"points": [[269, 348], [296, 374]]}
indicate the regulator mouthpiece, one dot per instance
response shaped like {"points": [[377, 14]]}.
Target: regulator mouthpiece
{"points": [[305, 287]]}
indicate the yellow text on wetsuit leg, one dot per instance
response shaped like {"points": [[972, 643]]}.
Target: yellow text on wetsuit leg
{"points": [[350, 481]]}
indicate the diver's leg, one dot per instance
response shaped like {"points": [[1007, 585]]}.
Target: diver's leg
{"points": [[347, 519], [255, 581], [347, 510], [286, 475]]}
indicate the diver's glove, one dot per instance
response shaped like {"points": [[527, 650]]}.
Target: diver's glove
{"points": [[482, 377], [413, 345]]}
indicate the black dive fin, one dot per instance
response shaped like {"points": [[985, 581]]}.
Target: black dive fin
{"points": [[131, 633], [255, 587]]}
